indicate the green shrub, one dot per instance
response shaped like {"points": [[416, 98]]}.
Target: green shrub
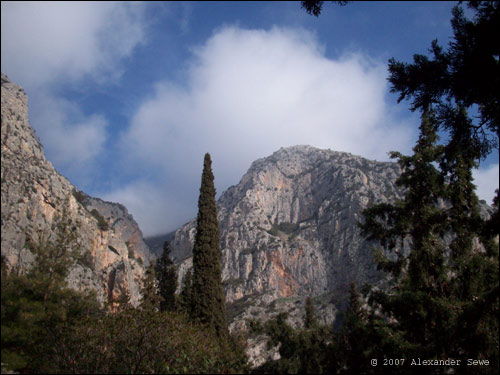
{"points": [[101, 221], [288, 228], [131, 253], [139, 260], [273, 231], [79, 195], [86, 260], [285, 227]]}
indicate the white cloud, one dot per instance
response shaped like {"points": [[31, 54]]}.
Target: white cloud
{"points": [[250, 92], [49, 42], [486, 180], [71, 140], [49, 45]]}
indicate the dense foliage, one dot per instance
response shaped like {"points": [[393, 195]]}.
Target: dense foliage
{"points": [[445, 300], [139, 341]]}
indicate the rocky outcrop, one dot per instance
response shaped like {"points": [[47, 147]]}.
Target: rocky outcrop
{"points": [[33, 197]]}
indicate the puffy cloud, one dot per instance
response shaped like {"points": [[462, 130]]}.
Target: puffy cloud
{"points": [[250, 92], [486, 180], [50, 42]]}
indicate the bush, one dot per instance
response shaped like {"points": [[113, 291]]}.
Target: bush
{"points": [[101, 221], [79, 195], [273, 231], [288, 228], [285, 227], [49, 329], [86, 260], [139, 260], [152, 343], [37, 306], [131, 252]]}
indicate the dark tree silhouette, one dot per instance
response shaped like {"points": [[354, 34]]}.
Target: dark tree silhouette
{"points": [[208, 302]]}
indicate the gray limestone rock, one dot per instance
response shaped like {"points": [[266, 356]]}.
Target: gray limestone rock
{"points": [[33, 195]]}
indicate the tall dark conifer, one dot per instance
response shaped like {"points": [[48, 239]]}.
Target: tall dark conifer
{"points": [[167, 279], [208, 304]]}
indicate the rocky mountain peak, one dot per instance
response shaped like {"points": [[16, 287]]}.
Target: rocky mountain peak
{"points": [[289, 227]]}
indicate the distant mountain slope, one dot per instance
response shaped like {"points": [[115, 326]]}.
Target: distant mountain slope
{"points": [[33, 194], [155, 243]]}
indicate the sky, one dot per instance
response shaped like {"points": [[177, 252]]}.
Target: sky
{"points": [[127, 97]]}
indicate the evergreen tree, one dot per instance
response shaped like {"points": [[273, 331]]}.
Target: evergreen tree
{"points": [[186, 295], [315, 7], [151, 298], [464, 76], [359, 340], [167, 279], [443, 284], [208, 304]]}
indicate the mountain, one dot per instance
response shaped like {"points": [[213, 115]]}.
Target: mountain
{"points": [[33, 196], [289, 230]]}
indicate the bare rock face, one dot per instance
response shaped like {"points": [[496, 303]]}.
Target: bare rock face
{"points": [[33, 195], [289, 228]]}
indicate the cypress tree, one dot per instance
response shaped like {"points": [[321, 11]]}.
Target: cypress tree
{"points": [[167, 279], [208, 305]]}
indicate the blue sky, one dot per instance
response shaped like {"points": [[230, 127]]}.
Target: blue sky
{"points": [[127, 97]]}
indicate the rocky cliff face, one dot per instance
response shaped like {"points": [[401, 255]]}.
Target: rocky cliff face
{"points": [[33, 195], [289, 228]]}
